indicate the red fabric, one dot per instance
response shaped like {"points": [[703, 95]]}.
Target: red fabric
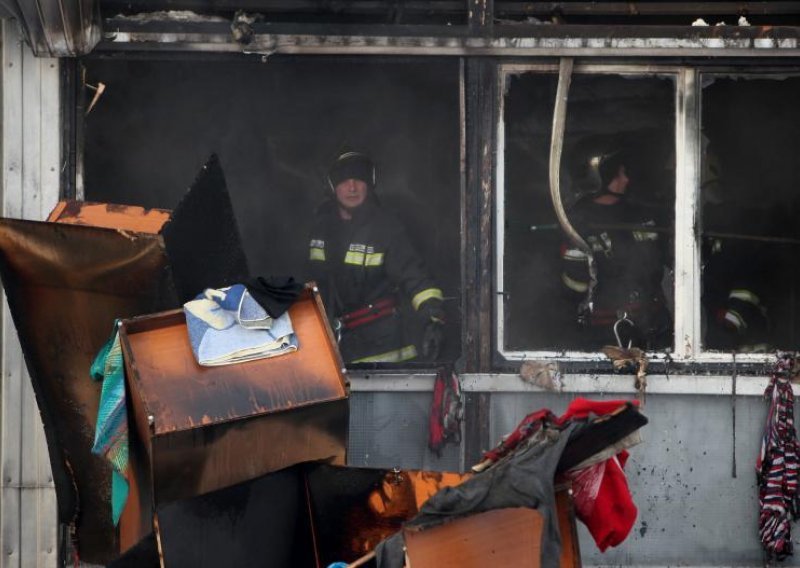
{"points": [[435, 419], [603, 502], [602, 499], [379, 309], [582, 408], [444, 422]]}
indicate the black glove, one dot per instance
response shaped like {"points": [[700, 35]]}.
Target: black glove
{"points": [[433, 334], [433, 311], [432, 338]]}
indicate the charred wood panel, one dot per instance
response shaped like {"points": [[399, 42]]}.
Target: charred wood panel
{"points": [[480, 88], [480, 100], [503, 537], [71, 125], [65, 286], [476, 427], [568, 529]]}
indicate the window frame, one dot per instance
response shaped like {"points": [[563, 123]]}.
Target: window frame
{"points": [[749, 72], [687, 326]]}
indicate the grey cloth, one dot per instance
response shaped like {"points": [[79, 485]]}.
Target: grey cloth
{"points": [[525, 479]]}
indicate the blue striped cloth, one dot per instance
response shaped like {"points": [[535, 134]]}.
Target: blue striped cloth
{"points": [[111, 430]]}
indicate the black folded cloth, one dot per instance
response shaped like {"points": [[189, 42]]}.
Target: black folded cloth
{"points": [[274, 293], [144, 554]]}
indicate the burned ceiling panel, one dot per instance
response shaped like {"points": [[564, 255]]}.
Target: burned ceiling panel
{"points": [[57, 28], [72, 28], [457, 12], [442, 12]]}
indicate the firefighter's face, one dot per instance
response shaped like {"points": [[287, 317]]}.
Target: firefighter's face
{"points": [[351, 193], [620, 182]]}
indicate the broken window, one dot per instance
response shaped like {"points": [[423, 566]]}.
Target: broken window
{"points": [[277, 127], [750, 205], [618, 189]]}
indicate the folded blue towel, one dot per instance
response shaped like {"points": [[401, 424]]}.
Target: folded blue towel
{"points": [[227, 326]]}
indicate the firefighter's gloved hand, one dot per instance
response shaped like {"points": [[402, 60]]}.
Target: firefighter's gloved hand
{"points": [[432, 339], [433, 311], [433, 335]]}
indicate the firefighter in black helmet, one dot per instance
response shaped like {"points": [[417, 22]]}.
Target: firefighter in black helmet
{"points": [[366, 269], [629, 253]]}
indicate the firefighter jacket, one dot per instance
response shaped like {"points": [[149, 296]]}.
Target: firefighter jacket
{"points": [[366, 267], [630, 259]]}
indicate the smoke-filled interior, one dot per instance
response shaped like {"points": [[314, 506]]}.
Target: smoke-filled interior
{"points": [[750, 236], [277, 126], [607, 116]]}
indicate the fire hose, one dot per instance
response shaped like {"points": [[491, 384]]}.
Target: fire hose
{"points": [[556, 147]]}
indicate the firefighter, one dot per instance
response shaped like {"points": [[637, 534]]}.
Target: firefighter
{"points": [[737, 272], [367, 269], [629, 253], [736, 286]]}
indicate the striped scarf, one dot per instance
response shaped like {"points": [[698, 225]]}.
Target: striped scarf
{"points": [[111, 430], [777, 464]]}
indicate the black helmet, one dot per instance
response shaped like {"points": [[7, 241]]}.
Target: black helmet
{"points": [[608, 165], [352, 165]]}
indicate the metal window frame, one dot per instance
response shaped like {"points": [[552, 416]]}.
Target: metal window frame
{"points": [[687, 274], [688, 341], [506, 71], [693, 130]]}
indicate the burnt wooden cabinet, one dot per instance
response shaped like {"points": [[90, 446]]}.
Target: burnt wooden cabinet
{"points": [[199, 429]]}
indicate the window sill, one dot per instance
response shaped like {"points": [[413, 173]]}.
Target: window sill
{"points": [[713, 357], [577, 383]]}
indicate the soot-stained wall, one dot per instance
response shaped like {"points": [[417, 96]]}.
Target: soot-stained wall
{"points": [[276, 126]]}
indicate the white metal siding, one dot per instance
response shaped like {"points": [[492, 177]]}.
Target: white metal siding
{"points": [[31, 146]]}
